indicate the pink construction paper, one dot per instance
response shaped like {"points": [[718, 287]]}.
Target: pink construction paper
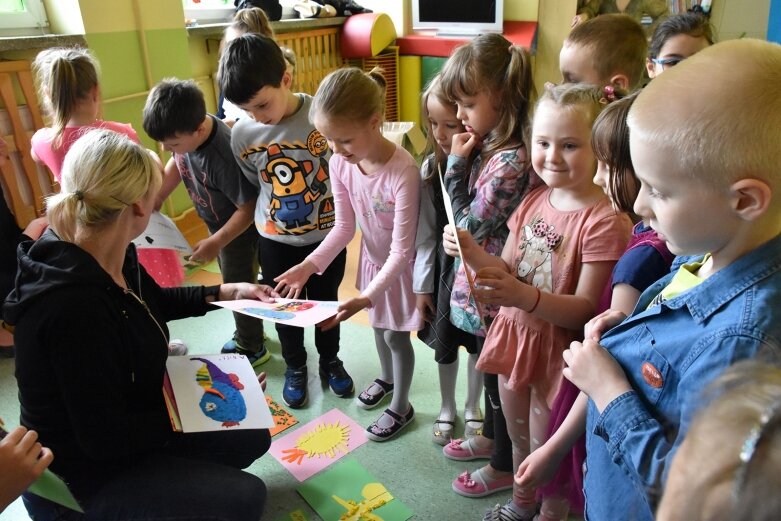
{"points": [[318, 444]]}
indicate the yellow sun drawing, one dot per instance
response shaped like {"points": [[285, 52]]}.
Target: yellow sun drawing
{"points": [[325, 440]]}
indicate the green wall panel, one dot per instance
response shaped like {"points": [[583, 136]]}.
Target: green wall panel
{"points": [[122, 70], [168, 52], [430, 66]]}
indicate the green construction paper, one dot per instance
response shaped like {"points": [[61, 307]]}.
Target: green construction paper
{"points": [[50, 486], [346, 480]]}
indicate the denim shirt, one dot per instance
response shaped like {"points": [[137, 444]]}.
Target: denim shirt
{"points": [[669, 354]]}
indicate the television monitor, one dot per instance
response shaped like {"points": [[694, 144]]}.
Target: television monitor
{"points": [[458, 17]]}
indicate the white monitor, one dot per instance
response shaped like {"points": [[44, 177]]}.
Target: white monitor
{"points": [[458, 17]]}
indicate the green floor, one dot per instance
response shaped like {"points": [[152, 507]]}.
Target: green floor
{"points": [[411, 466]]}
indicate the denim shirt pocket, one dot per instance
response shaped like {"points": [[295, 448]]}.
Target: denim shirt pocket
{"points": [[653, 371]]}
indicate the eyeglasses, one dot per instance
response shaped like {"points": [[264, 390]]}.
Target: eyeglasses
{"points": [[666, 63]]}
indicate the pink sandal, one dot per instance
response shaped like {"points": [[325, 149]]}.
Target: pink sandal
{"points": [[479, 484], [460, 450]]}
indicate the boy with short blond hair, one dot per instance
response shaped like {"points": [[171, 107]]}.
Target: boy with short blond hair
{"points": [[710, 167], [280, 152], [607, 50]]}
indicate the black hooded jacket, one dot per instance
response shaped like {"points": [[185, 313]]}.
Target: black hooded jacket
{"points": [[90, 358]]}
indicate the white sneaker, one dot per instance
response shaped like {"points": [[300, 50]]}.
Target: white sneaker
{"points": [[177, 347]]}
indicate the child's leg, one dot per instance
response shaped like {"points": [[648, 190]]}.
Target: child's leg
{"points": [[239, 263], [448, 375], [276, 258], [554, 508], [495, 426], [384, 353], [400, 412], [474, 389], [517, 413]]}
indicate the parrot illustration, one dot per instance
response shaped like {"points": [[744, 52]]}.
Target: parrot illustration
{"points": [[222, 401]]}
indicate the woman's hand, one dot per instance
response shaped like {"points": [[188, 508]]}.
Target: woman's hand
{"points": [[345, 311], [245, 290], [22, 461], [424, 303], [497, 287], [290, 283], [601, 323], [464, 143], [595, 372]]}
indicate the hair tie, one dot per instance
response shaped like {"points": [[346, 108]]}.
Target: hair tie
{"points": [[510, 48], [609, 95], [79, 195]]}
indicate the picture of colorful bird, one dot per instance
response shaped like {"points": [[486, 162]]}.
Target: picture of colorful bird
{"points": [[222, 400]]}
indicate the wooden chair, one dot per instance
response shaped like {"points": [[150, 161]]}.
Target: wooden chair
{"points": [[24, 183]]}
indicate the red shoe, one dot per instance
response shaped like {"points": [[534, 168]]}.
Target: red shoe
{"points": [[480, 484], [461, 450]]}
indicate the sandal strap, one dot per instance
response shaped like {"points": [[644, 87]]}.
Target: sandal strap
{"points": [[476, 420], [387, 387], [446, 422]]}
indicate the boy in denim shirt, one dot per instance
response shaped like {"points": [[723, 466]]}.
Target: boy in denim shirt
{"points": [[280, 152], [706, 146]]}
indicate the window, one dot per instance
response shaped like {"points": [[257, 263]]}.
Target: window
{"points": [[207, 11], [22, 14]]}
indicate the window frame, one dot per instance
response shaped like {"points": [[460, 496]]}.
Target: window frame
{"points": [[33, 17]]}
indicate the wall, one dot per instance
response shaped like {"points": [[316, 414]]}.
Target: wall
{"points": [[737, 18]]}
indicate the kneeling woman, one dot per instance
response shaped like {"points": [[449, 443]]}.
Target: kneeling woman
{"points": [[92, 342]]}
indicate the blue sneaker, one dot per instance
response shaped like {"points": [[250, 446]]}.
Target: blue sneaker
{"points": [[338, 379], [294, 392], [257, 358]]}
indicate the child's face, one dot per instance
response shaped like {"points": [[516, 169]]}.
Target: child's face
{"points": [[576, 65], [352, 140], [561, 147], [478, 113], [184, 142], [443, 122], [691, 216], [270, 104], [674, 50]]}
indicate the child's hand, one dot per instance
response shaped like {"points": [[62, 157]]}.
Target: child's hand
{"points": [[464, 143], [424, 303], [22, 460], [36, 227], [465, 239], [497, 287], [595, 372], [290, 283], [205, 251], [603, 322], [246, 290], [346, 310], [538, 468]]}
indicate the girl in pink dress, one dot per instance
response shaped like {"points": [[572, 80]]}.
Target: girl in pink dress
{"points": [[376, 184], [564, 240], [68, 82]]}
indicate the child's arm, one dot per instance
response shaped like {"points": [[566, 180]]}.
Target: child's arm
{"points": [[22, 461], [207, 249], [568, 311], [426, 253], [473, 254], [171, 180], [541, 465], [503, 183], [290, 283]]}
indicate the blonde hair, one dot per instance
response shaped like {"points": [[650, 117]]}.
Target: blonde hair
{"points": [[588, 99], [707, 473], [254, 20], [351, 94], [103, 172], [434, 91], [65, 78], [491, 64], [718, 113]]}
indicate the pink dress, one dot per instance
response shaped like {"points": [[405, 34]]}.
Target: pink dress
{"points": [[547, 248], [385, 205], [162, 265]]}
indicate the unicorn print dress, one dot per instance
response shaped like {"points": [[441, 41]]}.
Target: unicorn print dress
{"points": [[547, 249]]}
